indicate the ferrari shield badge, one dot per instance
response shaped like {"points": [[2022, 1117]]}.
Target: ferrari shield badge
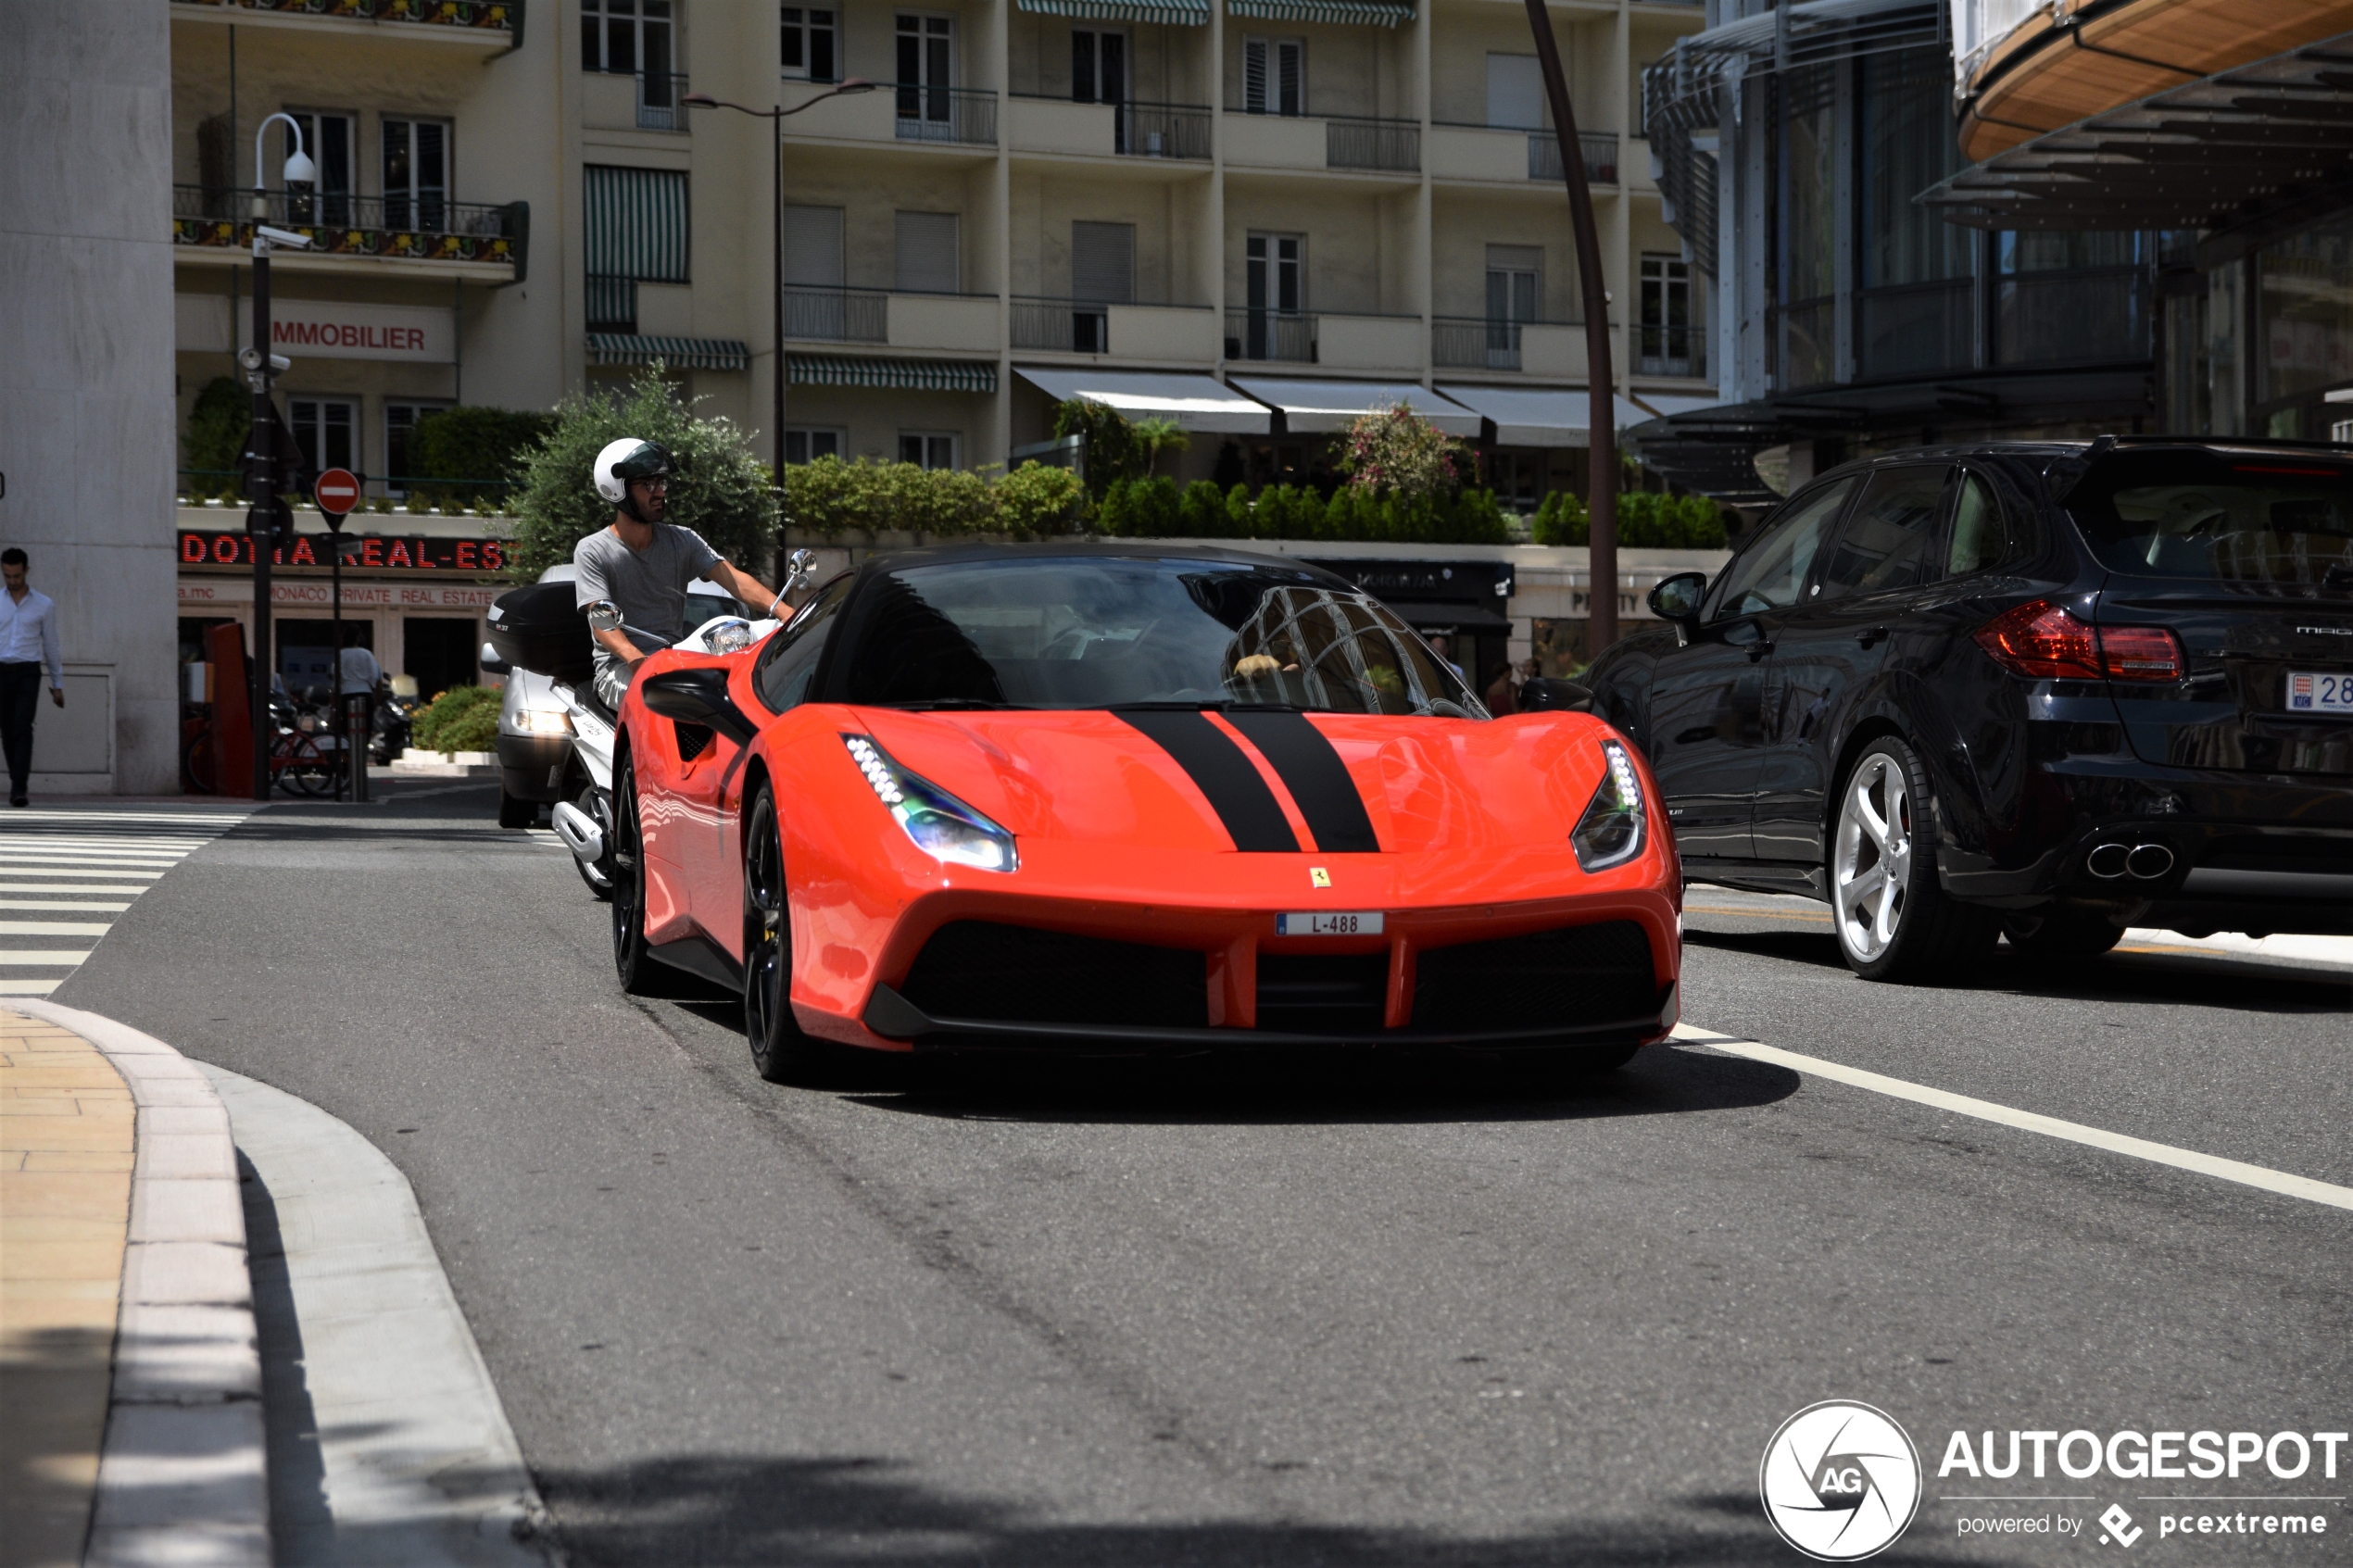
{"points": [[1319, 876]]}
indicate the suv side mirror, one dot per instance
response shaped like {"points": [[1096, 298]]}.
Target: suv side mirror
{"points": [[1677, 600], [1541, 694]]}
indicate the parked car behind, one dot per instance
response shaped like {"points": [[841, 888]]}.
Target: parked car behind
{"points": [[2051, 689]]}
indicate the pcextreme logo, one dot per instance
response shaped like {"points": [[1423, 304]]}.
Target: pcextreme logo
{"points": [[1840, 1480]]}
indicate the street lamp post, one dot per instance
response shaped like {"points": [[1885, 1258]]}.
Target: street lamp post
{"points": [[776, 192], [1601, 396], [270, 519]]}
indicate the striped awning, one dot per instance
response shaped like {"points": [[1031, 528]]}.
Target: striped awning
{"points": [[635, 224], [1341, 12], [679, 353], [1168, 13], [899, 375]]}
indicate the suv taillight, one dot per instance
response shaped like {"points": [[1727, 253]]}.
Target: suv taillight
{"points": [[2042, 640]]}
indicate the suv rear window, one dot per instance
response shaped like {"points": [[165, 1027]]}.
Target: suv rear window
{"points": [[2233, 518]]}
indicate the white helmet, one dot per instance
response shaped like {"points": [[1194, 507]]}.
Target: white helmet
{"points": [[626, 459]]}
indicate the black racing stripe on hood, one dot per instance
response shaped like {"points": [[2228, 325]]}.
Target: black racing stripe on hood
{"points": [[1304, 759], [1220, 771]]}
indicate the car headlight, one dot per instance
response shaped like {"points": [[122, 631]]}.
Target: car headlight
{"points": [[540, 722], [731, 635], [940, 825], [1610, 833]]}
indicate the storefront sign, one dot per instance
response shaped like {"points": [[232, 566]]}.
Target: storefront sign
{"points": [[335, 329], [200, 591], [415, 553]]}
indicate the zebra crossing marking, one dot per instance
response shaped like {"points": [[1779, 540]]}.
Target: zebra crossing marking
{"points": [[53, 859]]}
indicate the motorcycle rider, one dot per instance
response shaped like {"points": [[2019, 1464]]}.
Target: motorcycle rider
{"points": [[636, 569]]}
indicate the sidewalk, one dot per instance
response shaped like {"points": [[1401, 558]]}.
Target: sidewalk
{"points": [[66, 1149]]}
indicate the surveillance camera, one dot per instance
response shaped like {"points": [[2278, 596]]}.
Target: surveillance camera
{"points": [[282, 237], [249, 359]]}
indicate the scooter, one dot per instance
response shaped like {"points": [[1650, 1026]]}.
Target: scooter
{"points": [[584, 823]]}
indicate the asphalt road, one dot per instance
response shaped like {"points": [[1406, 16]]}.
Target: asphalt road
{"points": [[1323, 1311]]}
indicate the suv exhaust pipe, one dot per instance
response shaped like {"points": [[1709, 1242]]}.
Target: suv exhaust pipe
{"points": [[2143, 862]]}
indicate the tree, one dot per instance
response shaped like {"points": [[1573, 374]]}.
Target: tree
{"points": [[1158, 436], [476, 447], [216, 428], [1395, 450], [1112, 451], [722, 491]]}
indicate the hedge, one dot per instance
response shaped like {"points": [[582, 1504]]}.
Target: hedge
{"points": [[1155, 509], [1646, 521], [829, 495], [462, 719]]}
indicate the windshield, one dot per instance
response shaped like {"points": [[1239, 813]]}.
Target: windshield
{"points": [[1105, 633], [2257, 519]]}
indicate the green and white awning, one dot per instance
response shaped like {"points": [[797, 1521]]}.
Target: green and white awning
{"points": [[1168, 13], [679, 353], [1341, 12], [898, 375]]}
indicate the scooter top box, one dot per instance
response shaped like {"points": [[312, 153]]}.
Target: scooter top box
{"points": [[539, 628]]}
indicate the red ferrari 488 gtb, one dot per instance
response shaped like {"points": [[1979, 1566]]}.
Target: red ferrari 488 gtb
{"points": [[1116, 799]]}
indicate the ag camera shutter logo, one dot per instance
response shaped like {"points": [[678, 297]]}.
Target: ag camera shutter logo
{"points": [[1841, 1481]]}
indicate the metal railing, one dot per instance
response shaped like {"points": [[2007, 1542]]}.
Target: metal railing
{"points": [[1353, 142], [837, 315], [1064, 326], [1271, 334], [1913, 329], [1670, 351], [946, 114], [493, 15], [420, 228], [1804, 342], [2081, 316], [657, 101], [612, 303], [1148, 130], [1600, 148], [1487, 343]]}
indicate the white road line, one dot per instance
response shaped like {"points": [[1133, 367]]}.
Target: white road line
{"points": [[73, 888], [37, 958], [2027, 1120], [53, 928], [28, 987], [60, 904], [92, 858]]}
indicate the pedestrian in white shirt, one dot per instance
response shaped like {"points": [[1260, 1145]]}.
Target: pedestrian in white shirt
{"points": [[28, 643]]}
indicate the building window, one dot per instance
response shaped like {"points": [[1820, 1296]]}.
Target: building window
{"points": [[1275, 76], [1673, 337], [806, 443], [929, 247], [416, 167], [329, 140], [809, 52], [625, 37], [400, 424], [1097, 67], [326, 430], [1514, 92], [930, 449], [927, 58]]}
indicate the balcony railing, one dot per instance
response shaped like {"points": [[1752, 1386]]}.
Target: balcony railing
{"points": [[837, 315], [498, 16], [1146, 129], [1670, 351], [1064, 326], [424, 228], [1270, 334], [1474, 343], [657, 101], [1372, 143], [1600, 148], [613, 304], [946, 114]]}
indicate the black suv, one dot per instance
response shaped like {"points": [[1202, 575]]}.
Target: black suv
{"points": [[2050, 689]]}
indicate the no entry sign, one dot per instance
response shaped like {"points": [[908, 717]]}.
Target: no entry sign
{"points": [[337, 491]]}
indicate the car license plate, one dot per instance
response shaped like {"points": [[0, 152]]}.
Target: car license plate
{"points": [[2313, 692], [1324, 922]]}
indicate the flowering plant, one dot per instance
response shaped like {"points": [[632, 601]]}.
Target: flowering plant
{"points": [[1395, 449]]}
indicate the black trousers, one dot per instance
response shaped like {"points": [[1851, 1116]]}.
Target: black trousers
{"points": [[19, 698]]}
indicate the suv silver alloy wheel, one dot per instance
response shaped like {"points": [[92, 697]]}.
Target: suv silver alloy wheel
{"points": [[1871, 863]]}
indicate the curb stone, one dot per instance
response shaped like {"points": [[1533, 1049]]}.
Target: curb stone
{"points": [[183, 1472]]}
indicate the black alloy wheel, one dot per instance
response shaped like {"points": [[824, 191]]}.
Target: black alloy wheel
{"points": [[631, 962], [1892, 917], [2050, 937], [779, 1049]]}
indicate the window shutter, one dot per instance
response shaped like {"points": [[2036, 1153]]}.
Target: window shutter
{"points": [[1254, 75], [928, 253], [1102, 262], [1290, 70], [635, 224], [812, 246], [1514, 92]]}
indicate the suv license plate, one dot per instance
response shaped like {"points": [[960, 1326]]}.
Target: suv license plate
{"points": [[1324, 922], [2311, 692]]}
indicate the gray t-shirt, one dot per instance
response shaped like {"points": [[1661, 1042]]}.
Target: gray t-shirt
{"points": [[648, 585]]}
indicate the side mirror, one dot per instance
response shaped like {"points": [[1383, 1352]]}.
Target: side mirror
{"points": [[1679, 598], [698, 696], [491, 663], [1541, 694]]}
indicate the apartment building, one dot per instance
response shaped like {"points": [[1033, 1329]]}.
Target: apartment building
{"points": [[1172, 202]]}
